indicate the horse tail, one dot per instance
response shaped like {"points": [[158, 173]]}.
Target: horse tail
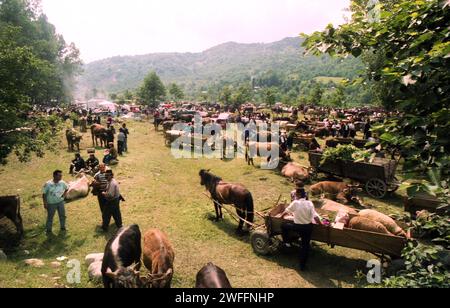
{"points": [[250, 208]]}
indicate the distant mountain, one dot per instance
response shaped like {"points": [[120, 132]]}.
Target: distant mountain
{"points": [[226, 63]]}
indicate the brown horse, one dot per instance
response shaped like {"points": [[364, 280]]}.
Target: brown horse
{"points": [[98, 132], [228, 193]]}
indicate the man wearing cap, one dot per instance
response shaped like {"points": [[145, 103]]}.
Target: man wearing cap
{"points": [[298, 192], [99, 186], [304, 214], [112, 202]]}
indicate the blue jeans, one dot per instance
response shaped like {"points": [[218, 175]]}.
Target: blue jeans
{"points": [[125, 145], [51, 210]]}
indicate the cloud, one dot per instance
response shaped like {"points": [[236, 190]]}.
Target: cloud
{"points": [[104, 28]]}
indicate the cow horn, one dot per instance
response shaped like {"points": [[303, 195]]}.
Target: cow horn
{"points": [[111, 274]]}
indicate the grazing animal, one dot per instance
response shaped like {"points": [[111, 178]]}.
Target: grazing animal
{"points": [[341, 192], [255, 149], [365, 224], [122, 259], [79, 188], [10, 208], [385, 220], [295, 172], [99, 132], [73, 140], [158, 259], [228, 193], [212, 277]]}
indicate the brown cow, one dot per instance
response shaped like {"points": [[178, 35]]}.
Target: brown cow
{"points": [[99, 132], [255, 149], [158, 259], [295, 172], [341, 192], [10, 208]]}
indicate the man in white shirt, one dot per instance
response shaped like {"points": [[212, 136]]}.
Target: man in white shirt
{"points": [[304, 216]]}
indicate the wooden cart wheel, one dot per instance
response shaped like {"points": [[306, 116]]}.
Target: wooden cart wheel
{"points": [[394, 187], [376, 188], [260, 242]]}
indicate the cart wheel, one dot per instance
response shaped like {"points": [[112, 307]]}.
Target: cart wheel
{"points": [[376, 188], [394, 187], [260, 242]]}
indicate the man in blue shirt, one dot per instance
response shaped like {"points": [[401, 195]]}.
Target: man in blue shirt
{"points": [[53, 195]]}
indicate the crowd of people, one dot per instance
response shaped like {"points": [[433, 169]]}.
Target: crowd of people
{"points": [[104, 186]]}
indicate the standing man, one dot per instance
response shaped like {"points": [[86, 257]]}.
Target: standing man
{"points": [[125, 130], [112, 204], [304, 215], [121, 140], [99, 186], [53, 195]]}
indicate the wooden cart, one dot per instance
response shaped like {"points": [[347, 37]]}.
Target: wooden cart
{"points": [[378, 176], [265, 241], [423, 202]]}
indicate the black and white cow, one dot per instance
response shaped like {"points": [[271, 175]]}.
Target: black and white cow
{"points": [[212, 277], [122, 259]]}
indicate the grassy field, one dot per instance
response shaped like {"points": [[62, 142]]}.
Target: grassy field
{"points": [[165, 193]]}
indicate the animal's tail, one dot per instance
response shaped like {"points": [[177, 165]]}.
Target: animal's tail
{"points": [[250, 208]]}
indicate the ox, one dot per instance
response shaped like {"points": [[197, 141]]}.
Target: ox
{"points": [[212, 277], [295, 172], [340, 191], [73, 139], [122, 259], [158, 259], [99, 132], [10, 208]]}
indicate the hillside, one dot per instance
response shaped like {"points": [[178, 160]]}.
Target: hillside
{"points": [[226, 63]]}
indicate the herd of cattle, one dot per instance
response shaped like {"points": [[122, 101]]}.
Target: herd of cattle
{"points": [[119, 266]]}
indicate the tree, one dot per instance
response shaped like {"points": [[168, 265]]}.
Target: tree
{"points": [[270, 96], [241, 96], [175, 92], [225, 95], [316, 95], [152, 90], [37, 69], [410, 46]]}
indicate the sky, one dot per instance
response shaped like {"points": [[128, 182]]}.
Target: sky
{"points": [[106, 28]]}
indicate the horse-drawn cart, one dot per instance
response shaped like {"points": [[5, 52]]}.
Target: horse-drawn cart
{"points": [[378, 176], [265, 241]]}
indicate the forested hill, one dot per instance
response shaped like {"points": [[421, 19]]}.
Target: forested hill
{"points": [[227, 63]]}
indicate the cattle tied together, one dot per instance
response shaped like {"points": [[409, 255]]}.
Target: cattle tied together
{"points": [[122, 259]]}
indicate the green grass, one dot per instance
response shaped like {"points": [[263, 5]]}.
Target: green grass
{"points": [[165, 193]]}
